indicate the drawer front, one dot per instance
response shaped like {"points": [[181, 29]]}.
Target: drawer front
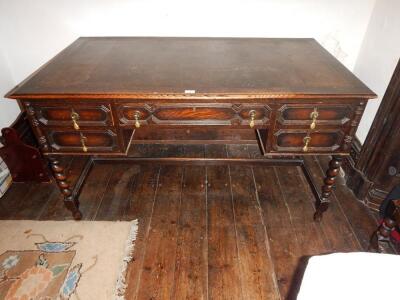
{"points": [[318, 140], [83, 115], [194, 114], [302, 114], [83, 141]]}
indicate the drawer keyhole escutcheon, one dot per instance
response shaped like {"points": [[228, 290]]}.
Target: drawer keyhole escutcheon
{"points": [[252, 114], [306, 140], [83, 142], [314, 116], [75, 118], [136, 115]]}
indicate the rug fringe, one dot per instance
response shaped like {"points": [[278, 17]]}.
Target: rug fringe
{"points": [[128, 255]]}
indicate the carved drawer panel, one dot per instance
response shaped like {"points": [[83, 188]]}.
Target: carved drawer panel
{"points": [[194, 114], [305, 141], [323, 114], [73, 115], [83, 141]]}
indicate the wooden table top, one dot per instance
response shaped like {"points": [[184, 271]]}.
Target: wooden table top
{"points": [[146, 67]]}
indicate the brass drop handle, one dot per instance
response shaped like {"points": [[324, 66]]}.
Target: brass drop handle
{"points": [[252, 114], [306, 140], [136, 115], [75, 118], [314, 116], [83, 142]]}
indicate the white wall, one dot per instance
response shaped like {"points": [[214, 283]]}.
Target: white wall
{"points": [[34, 31], [8, 108], [379, 55]]}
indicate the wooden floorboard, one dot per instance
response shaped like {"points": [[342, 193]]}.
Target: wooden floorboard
{"points": [[13, 200], [223, 257], [309, 234], [352, 208], [191, 280], [116, 196], [158, 272], [336, 220], [283, 242], [140, 206], [96, 188], [208, 232], [256, 266]]}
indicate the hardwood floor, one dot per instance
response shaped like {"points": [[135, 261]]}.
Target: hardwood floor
{"points": [[209, 232]]}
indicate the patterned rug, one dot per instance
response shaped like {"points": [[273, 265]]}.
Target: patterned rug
{"points": [[64, 259]]}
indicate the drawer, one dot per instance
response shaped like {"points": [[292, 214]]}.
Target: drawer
{"points": [[319, 140], [324, 114], [194, 114], [82, 141], [63, 115]]}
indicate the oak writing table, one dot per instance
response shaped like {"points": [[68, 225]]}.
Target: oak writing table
{"points": [[101, 94]]}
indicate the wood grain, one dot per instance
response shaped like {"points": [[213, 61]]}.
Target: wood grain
{"points": [[362, 226], [223, 256], [282, 239], [191, 257], [158, 273], [155, 66], [140, 206], [256, 266], [336, 220], [194, 242]]}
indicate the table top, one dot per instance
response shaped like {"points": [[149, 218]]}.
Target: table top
{"points": [[146, 67]]}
